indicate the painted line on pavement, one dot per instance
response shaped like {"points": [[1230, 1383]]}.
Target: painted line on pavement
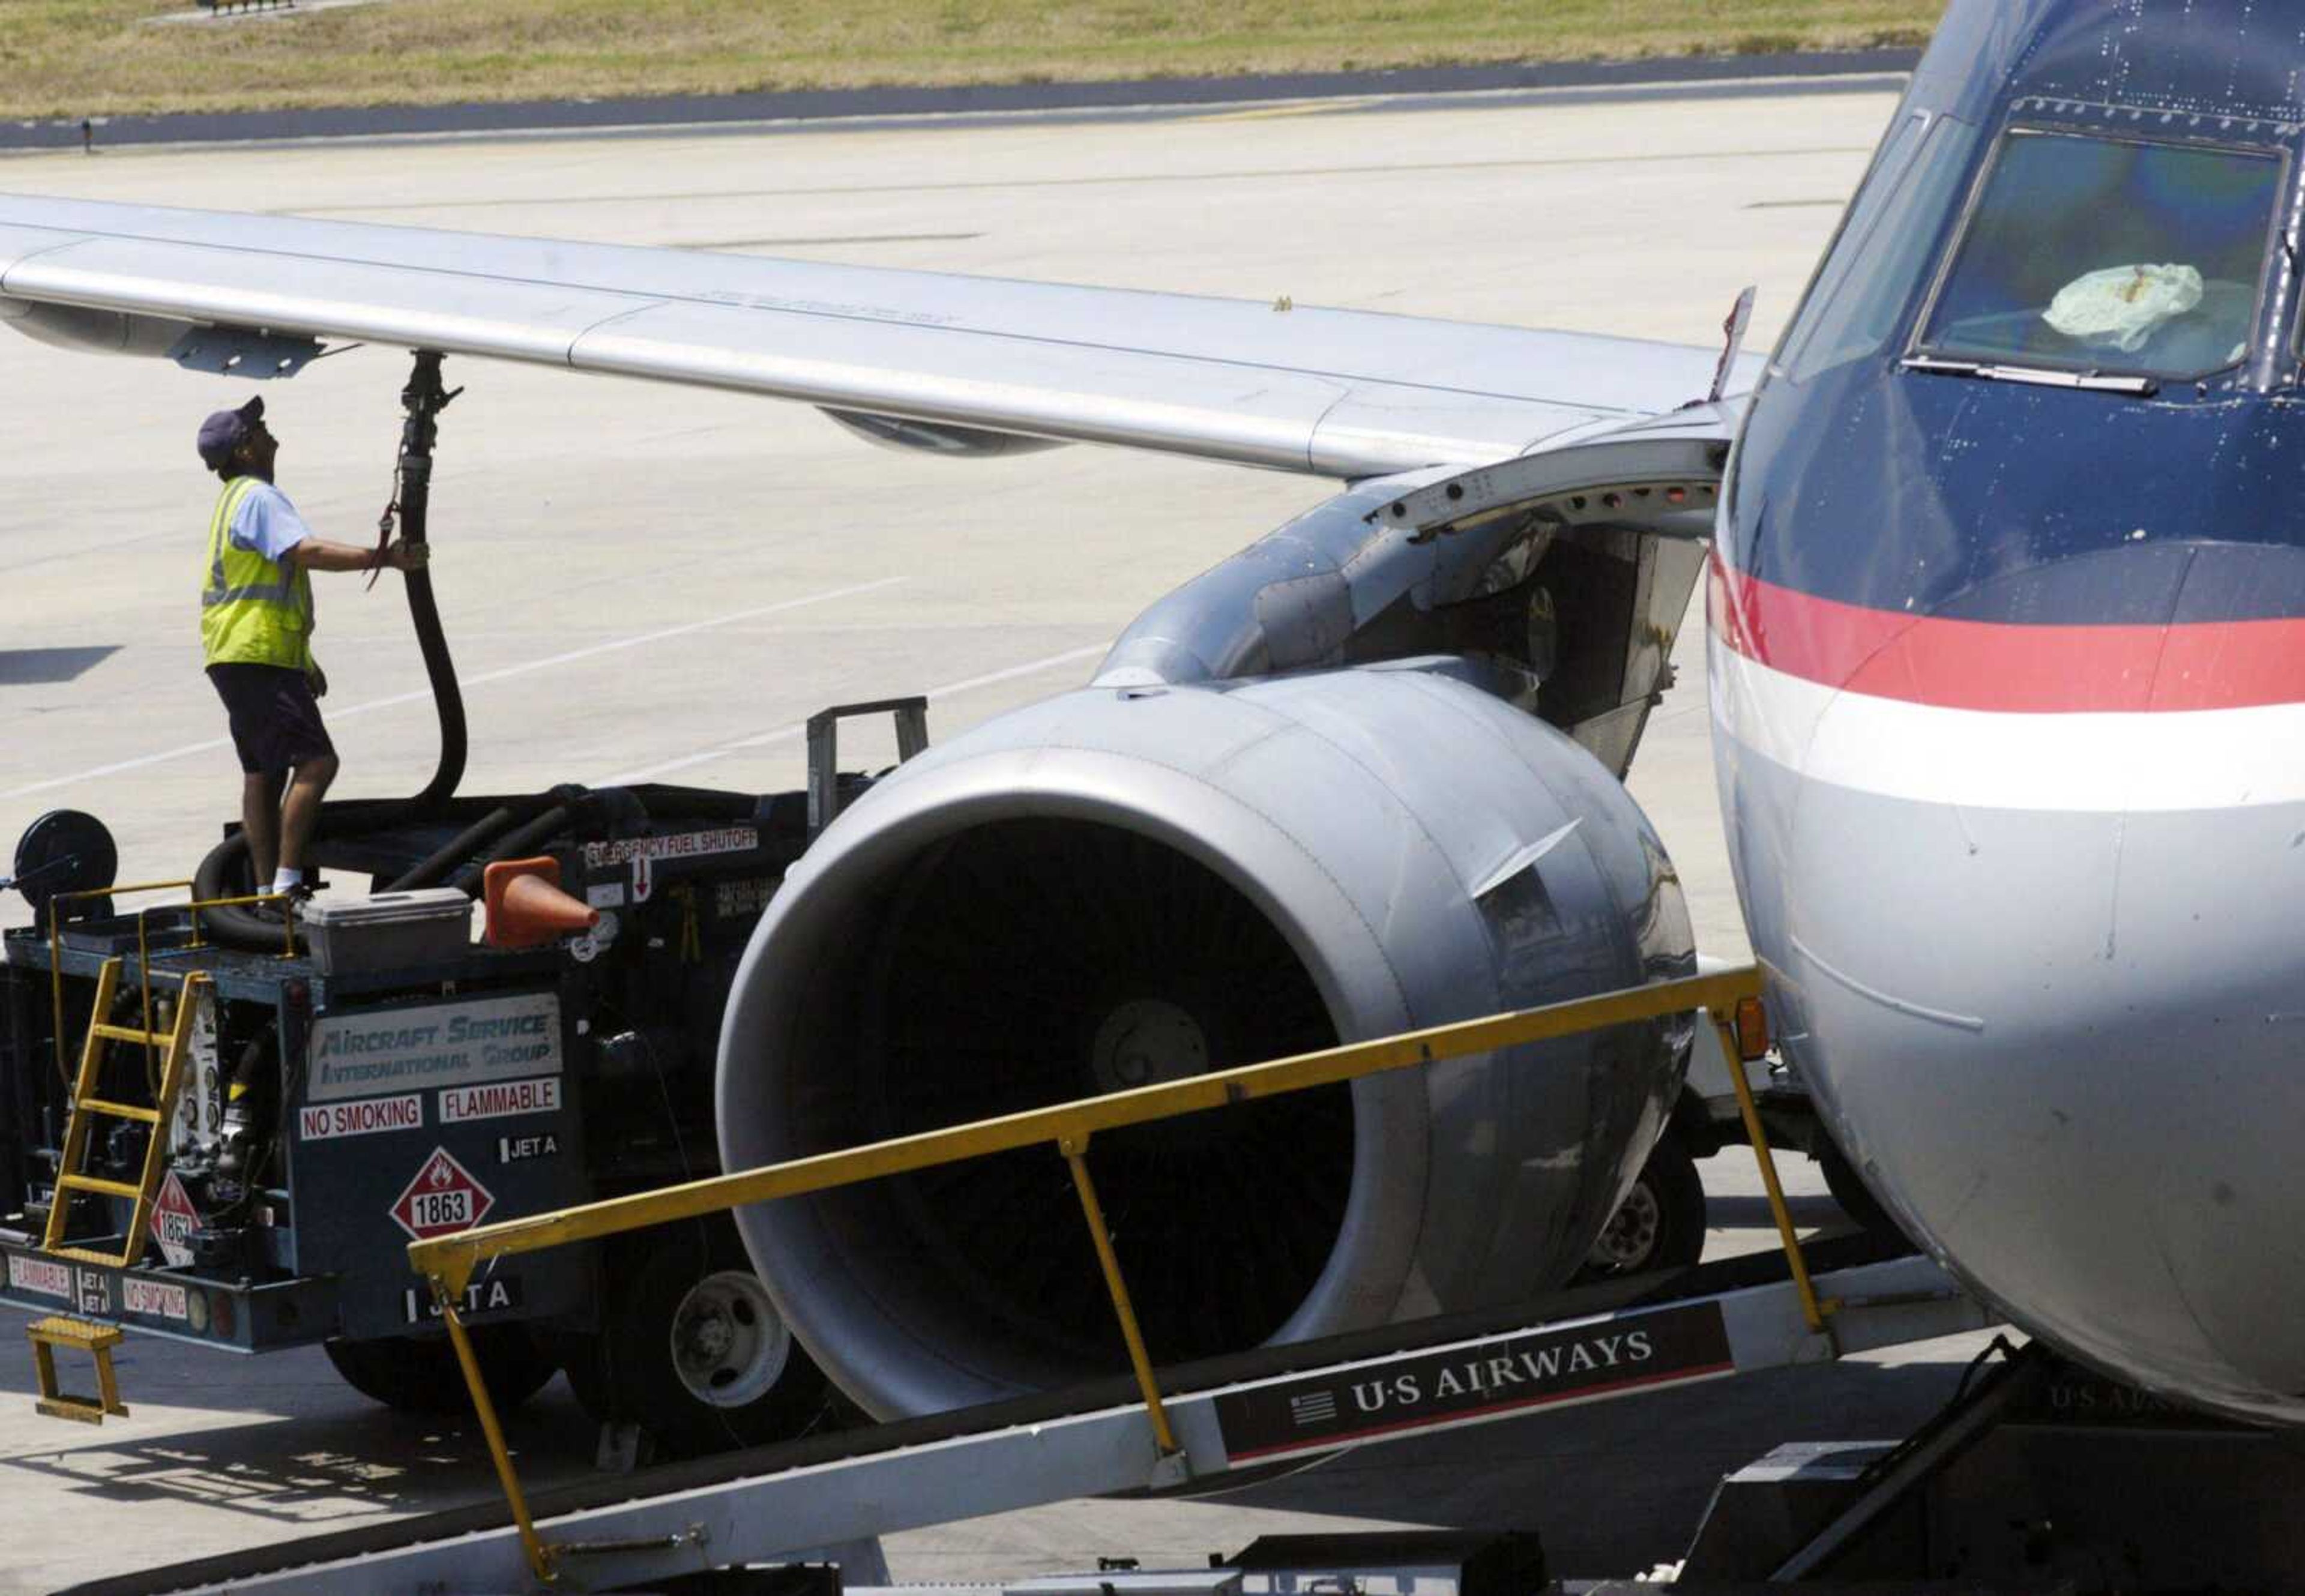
{"points": [[787, 733], [505, 672]]}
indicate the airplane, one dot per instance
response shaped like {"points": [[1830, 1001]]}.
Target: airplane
{"points": [[2005, 643], [2002, 613]]}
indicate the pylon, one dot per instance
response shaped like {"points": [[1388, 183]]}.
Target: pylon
{"points": [[526, 906]]}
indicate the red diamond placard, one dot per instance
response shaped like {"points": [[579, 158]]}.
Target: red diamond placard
{"points": [[443, 1198], [174, 1220]]}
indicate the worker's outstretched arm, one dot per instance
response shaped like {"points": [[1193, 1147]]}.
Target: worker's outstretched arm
{"points": [[318, 554]]}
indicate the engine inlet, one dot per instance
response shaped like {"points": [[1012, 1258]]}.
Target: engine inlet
{"points": [[1029, 963]]}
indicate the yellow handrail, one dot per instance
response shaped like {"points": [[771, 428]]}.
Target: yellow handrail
{"points": [[56, 958], [143, 946], [1815, 1311], [449, 1262], [453, 1258]]}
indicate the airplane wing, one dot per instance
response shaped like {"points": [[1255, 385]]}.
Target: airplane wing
{"points": [[1339, 394]]}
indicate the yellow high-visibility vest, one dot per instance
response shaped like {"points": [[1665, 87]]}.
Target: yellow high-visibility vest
{"points": [[253, 612]]}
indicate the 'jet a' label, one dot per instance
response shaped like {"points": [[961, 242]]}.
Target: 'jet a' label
{"points": [[495, 1294]]}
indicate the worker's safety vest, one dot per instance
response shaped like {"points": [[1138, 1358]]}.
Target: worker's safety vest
{"points": [[253, 612]]}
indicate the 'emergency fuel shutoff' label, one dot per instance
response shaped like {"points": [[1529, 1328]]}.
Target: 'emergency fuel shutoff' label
{"points": [[677, 844], [461, 1103], [442, 1199], [435, 1044], [364, 1116]]}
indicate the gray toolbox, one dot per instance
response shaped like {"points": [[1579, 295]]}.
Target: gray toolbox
{"points": [[387, 931]]}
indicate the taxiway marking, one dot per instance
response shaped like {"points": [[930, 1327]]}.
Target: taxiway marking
{"points": [[792, 729], [505, 672]]}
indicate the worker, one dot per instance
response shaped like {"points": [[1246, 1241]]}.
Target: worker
{"points": [[256, 629]]}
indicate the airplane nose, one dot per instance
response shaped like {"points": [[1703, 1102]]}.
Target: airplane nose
{"points": [[2040, 969]]}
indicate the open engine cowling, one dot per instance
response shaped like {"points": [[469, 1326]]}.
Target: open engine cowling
{"points": [[1126, 884]]}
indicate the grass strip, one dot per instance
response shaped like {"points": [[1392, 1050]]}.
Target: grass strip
{"points": [[74, 58]]}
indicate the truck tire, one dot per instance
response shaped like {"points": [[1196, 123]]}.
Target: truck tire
{"points": [[691, 1350], [419, 1374], [1661, 1223]]}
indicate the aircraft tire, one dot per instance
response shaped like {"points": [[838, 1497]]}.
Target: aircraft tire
{"points": [[412, 1374], [1850, 1191]]}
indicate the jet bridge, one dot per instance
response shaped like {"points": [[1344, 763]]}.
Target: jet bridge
{"points": [[829, 1499]]}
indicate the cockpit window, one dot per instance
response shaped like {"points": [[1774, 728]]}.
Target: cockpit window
{"points": [[2093, 254]]}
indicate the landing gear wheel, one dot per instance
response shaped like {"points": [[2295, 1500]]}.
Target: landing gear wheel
{"points": [[419, 1375], [1661, 1223], [1849, 1190], [694, 1352]]}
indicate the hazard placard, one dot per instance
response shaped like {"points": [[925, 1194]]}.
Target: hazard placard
{"points": [[174, 1220], [442, 1199]]}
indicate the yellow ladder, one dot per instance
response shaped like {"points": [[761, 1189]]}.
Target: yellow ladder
{"points": [[48, 1334], [87, 1108]]}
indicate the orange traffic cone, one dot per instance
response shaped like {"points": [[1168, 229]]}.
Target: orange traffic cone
{"points": [[526, 906]]}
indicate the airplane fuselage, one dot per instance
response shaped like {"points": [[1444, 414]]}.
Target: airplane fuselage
{"points": [[2008, 648]]}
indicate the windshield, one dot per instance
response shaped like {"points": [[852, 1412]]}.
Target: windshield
{"points": [[2092, 254]]}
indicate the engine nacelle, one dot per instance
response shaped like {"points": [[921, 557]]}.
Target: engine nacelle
{"points": [[1127, 885]]}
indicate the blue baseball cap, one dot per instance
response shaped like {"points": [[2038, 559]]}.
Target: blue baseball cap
{"points": [[222, 432]]}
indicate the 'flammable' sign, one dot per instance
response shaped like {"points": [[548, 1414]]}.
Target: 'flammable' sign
{"points": [[376, 1050], [1467, 1385], [494, 1101]]}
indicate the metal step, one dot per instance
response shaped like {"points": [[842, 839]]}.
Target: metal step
{"points": [[120, 1110], [58, 1331], [98, 1340], [111, 1261], [97, 1182]]}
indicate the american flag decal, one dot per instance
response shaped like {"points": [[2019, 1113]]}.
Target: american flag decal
{"points": [[1313, 1407]]}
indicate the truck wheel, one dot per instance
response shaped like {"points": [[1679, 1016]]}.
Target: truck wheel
{"points": [[1661, 1223], [694, 1352], [412, 1374]]}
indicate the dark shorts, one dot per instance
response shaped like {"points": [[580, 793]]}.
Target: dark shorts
{"points": [[276, 723]]}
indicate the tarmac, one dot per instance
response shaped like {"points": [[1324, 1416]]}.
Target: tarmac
{"points": [[651, 580]]}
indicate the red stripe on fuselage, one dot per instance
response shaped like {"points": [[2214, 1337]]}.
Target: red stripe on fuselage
{"points": [[2011, 668]]}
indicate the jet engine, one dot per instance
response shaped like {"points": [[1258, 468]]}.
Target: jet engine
{"points": [[1136, 883]]}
